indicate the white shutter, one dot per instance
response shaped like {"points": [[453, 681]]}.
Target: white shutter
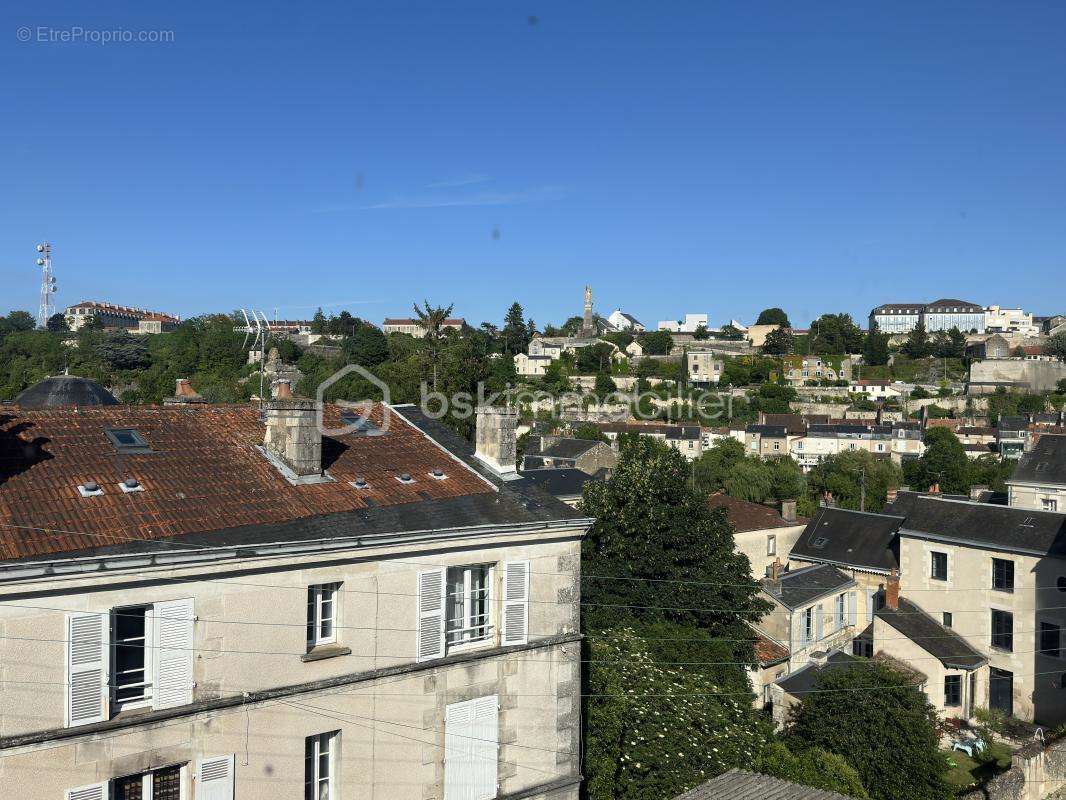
{"points": [[471, 745], [172, 637], [819, 622], [852, 619], [431, 606], [515, 602], [98, 791], [87, 668], [214, 778], [485, 731]]}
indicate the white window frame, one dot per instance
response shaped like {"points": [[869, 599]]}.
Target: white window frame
{"points": [[771, 544], [470, 635], [1049, 504], [317, 742], [146, 782], [320, 595], [841, 611], [147, 656]]}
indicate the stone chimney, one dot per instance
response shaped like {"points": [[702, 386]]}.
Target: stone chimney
{"points": [[183, 393], [934, 489], [772, 582], [976, 491], [788, 511], [292, 435], [892, 494], [184, 388], [281, 389], [892, 591], [495, 439]]}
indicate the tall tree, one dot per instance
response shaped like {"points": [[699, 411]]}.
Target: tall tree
{"points": [[657, 343], [431, 318], [944, 462], [778, 342], [652, 527], [1056, 346], [318, 322], [833, 334], [917, 344], [516, 333], [889, 738], [844, 476], [875, 348], [773, 316]]}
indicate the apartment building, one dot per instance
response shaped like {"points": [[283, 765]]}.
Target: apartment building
{"points": [[197, 602], [1039, 480], [762, 533], [110, 315], [940, 315], [799, 370], [686, 439], [704, 368], [813, 609], [414, 327], [1011, 321], [995, 575]]}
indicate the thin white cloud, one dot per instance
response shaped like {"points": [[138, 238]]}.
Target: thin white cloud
{"points": [[482, 199], [465, 180]]}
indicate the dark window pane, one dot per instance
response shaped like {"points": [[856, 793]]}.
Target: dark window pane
{"points": [[1002, 630], [939, 566], [1050, 639], [952, 690], [128, 788], [166, 784], [1002, 575]]}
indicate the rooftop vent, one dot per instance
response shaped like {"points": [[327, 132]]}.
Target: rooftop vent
{"points": [[820, 543], [90, 489], [359, 425], [131, 485], [360, 483], [438, 474], [405, 477]]}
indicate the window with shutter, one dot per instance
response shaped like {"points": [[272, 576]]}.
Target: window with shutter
{"points": [[87, 668], [819, 621], [173, 638], [98, 791], [471, 749], [214, 778], [431, 589], [852, 617], [515, 602]]}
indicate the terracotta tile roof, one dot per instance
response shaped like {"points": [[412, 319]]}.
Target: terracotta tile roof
{"points": [[767, 651], [745, 516], [204, 474]]}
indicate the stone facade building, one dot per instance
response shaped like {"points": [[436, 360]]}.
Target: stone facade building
{"points": [[197, 603]]}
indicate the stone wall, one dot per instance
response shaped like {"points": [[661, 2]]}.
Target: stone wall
{"points": [[1035, 773]]}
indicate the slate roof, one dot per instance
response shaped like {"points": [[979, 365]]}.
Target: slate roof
{"points": [[1044, 464], [1021, 530], [802, 586], [739, 785], [793, 423], [767, 430], [569, 448], [745, 516], [64, 390], [850, 538], [803, 680], [204, 480], [566, 482], [942, 643]]}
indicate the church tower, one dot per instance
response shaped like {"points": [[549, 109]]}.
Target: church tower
{"points": [[588, 327]]}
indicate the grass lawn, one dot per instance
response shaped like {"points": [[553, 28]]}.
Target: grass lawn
{"points": [[967, 772]]}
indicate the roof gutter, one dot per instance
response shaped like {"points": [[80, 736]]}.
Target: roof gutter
{"points": [[112, 564]]}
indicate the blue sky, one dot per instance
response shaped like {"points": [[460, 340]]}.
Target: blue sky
{"points": [[685, 157]]}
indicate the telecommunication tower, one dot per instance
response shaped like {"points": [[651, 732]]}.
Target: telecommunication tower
{"points": [[48, 285]]}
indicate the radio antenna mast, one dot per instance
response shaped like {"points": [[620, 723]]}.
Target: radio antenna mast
{"points": [[48, 285]]}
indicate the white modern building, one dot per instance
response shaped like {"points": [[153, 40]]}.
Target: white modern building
{"points": [[1010, 320], [689, 325]]}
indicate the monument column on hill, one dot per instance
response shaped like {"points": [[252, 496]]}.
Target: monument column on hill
{"points": [[588, 327]]}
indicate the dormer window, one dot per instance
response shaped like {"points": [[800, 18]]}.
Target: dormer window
{"points": [[127, 440]]}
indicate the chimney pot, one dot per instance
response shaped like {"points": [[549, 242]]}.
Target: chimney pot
{"points": [[496, 439], [281, 389], [892, 495], [976, 491], [892, 591], [184, 388]]}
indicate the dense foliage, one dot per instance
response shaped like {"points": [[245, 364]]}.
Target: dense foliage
{"points": [[773, 316], [879, 721]]}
